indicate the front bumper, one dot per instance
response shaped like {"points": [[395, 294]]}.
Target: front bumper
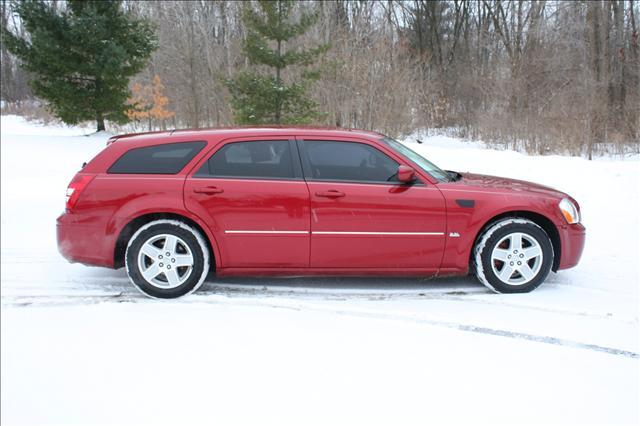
{"points": [[572, 238]]}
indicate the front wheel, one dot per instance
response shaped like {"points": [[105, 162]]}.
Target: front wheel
{"points": [[513, 256], [167, 259]]}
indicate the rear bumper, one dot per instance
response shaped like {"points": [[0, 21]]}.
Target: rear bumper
{"points": [[572, 238], [82, 243]]}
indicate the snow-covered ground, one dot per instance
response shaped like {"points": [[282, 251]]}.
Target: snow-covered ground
{"points": [[80, 345]]}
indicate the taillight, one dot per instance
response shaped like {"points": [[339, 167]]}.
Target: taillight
{"points": [[75, 188]]}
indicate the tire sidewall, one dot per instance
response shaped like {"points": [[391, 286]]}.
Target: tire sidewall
{"points": [[190, 236], [525, 227]]}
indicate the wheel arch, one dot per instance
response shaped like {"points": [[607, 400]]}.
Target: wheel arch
{"points": [[541, 220], [134, 224]]}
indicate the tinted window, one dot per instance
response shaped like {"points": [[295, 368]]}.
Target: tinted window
{"points": [[158, 159], [257, 159], [349, 161], [425, 164]]}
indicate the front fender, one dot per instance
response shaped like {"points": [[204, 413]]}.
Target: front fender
{"points": [[465, 221]]}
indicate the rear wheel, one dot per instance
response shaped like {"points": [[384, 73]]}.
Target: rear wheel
{"points": [[167, 259], [513, 256]]}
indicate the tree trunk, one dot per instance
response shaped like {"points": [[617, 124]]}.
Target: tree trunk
{"points": [[278, 78], [99, 122], [193, 78], [634, 77], [619, 59], [279, 84], [594, 11]]}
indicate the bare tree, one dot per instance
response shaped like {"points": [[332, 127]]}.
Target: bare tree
{"points": [[540, 75]]}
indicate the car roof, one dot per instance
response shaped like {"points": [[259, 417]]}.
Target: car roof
{"points": [[233, 132]]}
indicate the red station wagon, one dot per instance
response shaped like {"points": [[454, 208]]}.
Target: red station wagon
{"points": [[173, 206]]}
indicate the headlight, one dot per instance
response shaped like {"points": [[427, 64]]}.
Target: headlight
{"points": [[569, 211]]}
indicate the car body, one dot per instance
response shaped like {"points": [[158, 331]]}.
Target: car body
{"points": [[287, 201]]}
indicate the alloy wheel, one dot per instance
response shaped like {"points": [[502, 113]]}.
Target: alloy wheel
{"points": [[165, 261], [517, 258]]}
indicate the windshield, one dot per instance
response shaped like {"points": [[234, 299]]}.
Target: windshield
{"points": [[424, 164]]}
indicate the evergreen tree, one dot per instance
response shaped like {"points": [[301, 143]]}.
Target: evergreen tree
{"points": [[258, 98], [82, 57]]}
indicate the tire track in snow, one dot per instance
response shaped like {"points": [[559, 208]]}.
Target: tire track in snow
{"points": [[455, 326], [453, 294], [98, 290], [471, 328], [503, 333], [135, 298]]}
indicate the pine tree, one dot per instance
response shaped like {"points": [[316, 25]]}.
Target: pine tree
{"points": [[82, 57], [266, 98]]}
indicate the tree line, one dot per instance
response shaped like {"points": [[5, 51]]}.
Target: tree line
{"points": [[544, 76]]}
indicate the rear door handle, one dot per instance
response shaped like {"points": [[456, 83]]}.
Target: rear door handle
{"points": [[332, 193], [208, 190]]}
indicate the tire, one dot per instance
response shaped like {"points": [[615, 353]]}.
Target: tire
{"points": [[166, 259], [513, 256]]}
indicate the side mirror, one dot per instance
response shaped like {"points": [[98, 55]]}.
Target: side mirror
{"points": [[406, 174]]}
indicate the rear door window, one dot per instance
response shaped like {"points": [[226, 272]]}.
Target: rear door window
{"points": [[255, 159], [158, 159]]}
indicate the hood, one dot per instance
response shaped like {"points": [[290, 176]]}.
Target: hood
{"points": [[495, 182]]}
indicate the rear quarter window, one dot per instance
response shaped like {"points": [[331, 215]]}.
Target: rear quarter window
{"points": [[157, 159]]}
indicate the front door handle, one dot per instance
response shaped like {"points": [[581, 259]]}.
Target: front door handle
{"points": [[210, 190], [332, 193]]}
